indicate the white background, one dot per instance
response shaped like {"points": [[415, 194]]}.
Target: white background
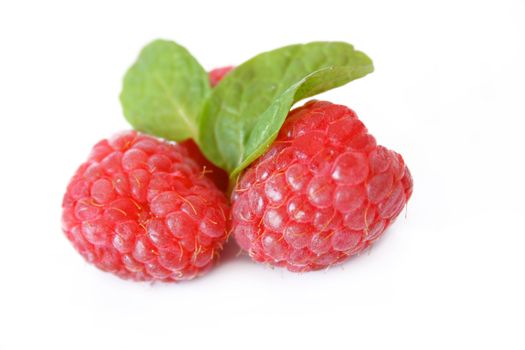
{"points": [[448, 93]]}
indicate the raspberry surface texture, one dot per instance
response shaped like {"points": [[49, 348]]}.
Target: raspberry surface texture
{"points": [[142, 209], [217, 175], [324, 191]]}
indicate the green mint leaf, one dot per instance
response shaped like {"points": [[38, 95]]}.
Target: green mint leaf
{"points": [[164, 91], [245, 111]]}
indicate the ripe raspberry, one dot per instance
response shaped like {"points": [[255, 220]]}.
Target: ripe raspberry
{"points": [[142, 209], [324, 191], [217, 74]]}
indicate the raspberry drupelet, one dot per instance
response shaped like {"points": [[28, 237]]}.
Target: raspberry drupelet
{"points": [[324, 191], [142, 209]]}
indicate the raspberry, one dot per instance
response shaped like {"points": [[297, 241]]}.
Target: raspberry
{"points": [[324, 191], [217, 74], [142, 209]]}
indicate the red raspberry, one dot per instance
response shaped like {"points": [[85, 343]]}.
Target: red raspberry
{"points": [[324, 191], [217, 74], [142, 209]]}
